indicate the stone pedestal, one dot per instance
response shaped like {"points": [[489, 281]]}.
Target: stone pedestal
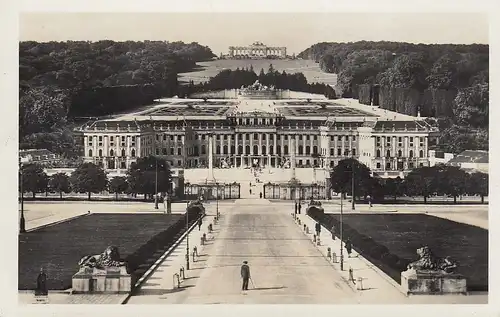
{"points": [[113, 280], [432, 283]]}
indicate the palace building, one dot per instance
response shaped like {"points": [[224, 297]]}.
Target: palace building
{"points": [[256, 50], [259, 129]]}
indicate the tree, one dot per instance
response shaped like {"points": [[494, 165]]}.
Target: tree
{"points": [[141, 176], [478, 185], [421, 182], [60, 183], [452, 180], [472, 106], [89, 178], [118, 185], [35, 180], [394, 187], [341, 177]]}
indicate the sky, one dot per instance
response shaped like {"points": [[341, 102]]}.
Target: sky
{"points": [[296, 31]]}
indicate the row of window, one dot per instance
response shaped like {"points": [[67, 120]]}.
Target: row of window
{"points": [[112, 153], [400, 153], [400, 166]]}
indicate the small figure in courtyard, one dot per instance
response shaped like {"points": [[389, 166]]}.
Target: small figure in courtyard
{"points": [[318, 228], [250, 191], [203, 239], [245, 275], [200, 222], [210, 228], [348, 247], [296, 207], [300, 207], [260, 195], [333, 232], [41, 284]]}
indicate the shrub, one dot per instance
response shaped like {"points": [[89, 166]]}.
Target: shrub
{"points": [[378, 251]]}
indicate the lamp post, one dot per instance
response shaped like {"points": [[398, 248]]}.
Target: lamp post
{"points": [[156, 182], [341, 232], [217, 201], [22, 221]]}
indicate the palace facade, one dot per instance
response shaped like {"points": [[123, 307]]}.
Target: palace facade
{"points": [[264, 132], [257, 50]]}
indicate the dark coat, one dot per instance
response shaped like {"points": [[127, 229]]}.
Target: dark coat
{"points": [[318, 227], [245, 271]]}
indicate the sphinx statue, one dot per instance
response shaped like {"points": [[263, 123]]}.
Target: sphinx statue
{"points": [[109, 258], [428, 262]]}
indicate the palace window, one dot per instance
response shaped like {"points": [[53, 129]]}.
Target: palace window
{"points": [[339, 152], [400, 153], [100, 153], [179, 138], [285, 148], [233, 149], [378, 141], [388, 153], [111, 152], [332, 164], [332, 138], [203, 136], [123, 165], [179, 151], [353, 152], [90, 153], [410, 165], [164, 137], [133, 152], [217, 137], [278, 150], [332, 151], [286, 137], [264, 150], [225, 137], [217, 149], [339, 138], [300, 137], [264, 137], [224, 149], [315, 138], [421, 164], [353, 138], [378, 165], [171, 151], [157, 151], [378, 153], [171, 137], [271, 137], [247, 149], [203, 149], [315, 149], [157, 138], [255, 136], [123, 152], [164, 151], [179, 163], [301, 150], [307, 138], [388, 165], [255, 149], [232, 137], [308, 150], [346, 152], [411, 153], [271, 149], [421, 153], [240, 149], [278, 137]]}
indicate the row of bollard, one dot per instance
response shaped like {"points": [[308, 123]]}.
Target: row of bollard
{"points": [[178, 278]]}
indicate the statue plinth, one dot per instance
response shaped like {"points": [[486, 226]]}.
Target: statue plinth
{"points": [[427, 282], [110, 280]]}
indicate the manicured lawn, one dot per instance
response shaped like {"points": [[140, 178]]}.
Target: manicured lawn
{"points": [[58, 248], [403, 234], [309, 68]]}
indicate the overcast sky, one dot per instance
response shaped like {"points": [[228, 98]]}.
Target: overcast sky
{"points": [[296, 31]]}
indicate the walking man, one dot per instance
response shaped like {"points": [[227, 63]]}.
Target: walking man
{"points": [[296, 207], [300, 207], [199, 224], [318, 228], [245, 275], [333, 232], [348, 247]]}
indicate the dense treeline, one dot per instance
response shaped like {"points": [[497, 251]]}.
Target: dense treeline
{"points": [[63, 80], [233, 79], [450, 82]]}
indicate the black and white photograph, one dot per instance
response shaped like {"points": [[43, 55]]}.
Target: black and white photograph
{"points": [[253, 158]]}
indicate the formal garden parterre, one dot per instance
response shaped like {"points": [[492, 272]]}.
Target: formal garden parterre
{"points": [[58, 248], [390, 241]]}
